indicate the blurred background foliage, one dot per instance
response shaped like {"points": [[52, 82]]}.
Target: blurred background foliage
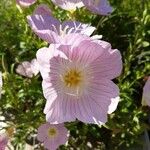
{"points": [[22, 103]]}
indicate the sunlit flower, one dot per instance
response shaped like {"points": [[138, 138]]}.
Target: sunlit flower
{"points": [[28, 69], [1, 83], [146, 93], [53, 31], [70, 5], [77, 80], [101, 7], [25, 3], [52, 135]]}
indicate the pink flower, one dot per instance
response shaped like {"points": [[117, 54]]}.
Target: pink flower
{"points": [[1, 83], [70, 5], [77, 80], [3, 141], [52, 30], [100, 7], [146, 93], [25, 3], [52, 135], [42, 9], [28, 69]]}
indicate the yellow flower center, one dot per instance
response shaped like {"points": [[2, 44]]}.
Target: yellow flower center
{"points": [[10, 131], [52, 132], [97, 2], [72, 78]]}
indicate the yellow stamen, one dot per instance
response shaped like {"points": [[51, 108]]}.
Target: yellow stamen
{"points": [[72, 78], [52, 132]]}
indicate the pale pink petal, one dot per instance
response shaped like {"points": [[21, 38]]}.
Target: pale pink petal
{"points": [[110, 63], [62, 110], [42, 132], [113, 105], [3, 141], [25, 3], [45, 26], [96, 105], [43, 57], [50, 94], [50, 144], [42, 9], [146, 93], [24, 69]]}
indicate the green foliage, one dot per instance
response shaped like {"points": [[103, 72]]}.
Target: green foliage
{"points": [[22, 103]]}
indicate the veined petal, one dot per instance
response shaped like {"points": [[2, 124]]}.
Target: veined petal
{"points": [[45, 26], [62, 110], [44, 56], [42, 132], [109, 62], [113, 105]]}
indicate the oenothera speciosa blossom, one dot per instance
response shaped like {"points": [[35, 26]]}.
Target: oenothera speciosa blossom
{"points": [[146, 93], [28, 69], [77, 79], [25, 3], [52, 30], [52, 136], [69, 5], [1, 83]]}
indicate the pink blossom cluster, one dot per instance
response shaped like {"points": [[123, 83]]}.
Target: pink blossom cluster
{"points": [[77, 70], [101, 7]]}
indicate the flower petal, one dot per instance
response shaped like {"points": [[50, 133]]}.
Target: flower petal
{"points": [[42, 132], [100, 7], [45, 26], [77, 27], [113, 105], [62, 110]]}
